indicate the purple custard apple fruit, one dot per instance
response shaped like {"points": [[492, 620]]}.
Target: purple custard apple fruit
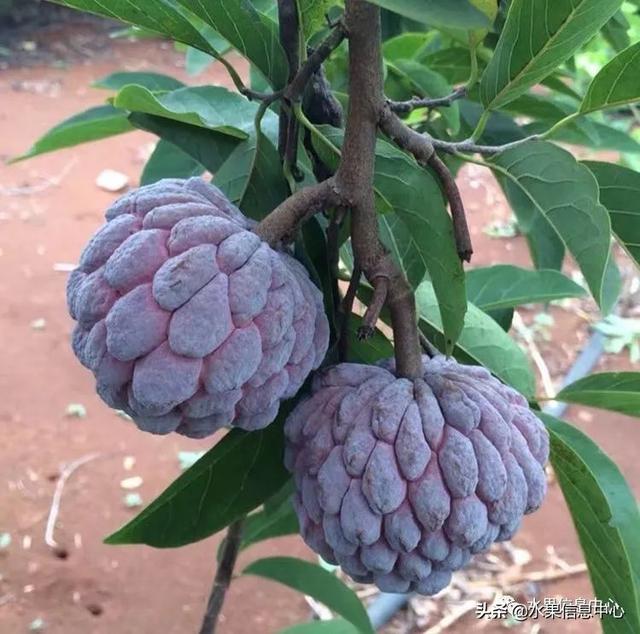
{"points": [[400, 482], [188, 320]]}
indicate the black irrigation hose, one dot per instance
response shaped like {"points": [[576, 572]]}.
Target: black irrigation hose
{"points": [[382, 610]]}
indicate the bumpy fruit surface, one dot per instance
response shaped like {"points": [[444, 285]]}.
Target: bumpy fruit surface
{"points": [[187, 319], [401, 481]]}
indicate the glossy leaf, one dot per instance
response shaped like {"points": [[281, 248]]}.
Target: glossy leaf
{"points": [[164, 17], [506, 286], [211, 107], [252, 177], [312, 580], [152, 81], [615, 31], [537, 37], [234, 477], [91, 125], [616, 84], [620, 193], [405, 46], [615, 391], [554, 185], [482, 341], [461, 14], [169, 161], [249, 31], [209, 148], [452, 63], [267, 525], [604, 136], [606, 518]]}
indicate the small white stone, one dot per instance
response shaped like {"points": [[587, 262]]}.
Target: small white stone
{"points": [[112, 181], [131, 483]]}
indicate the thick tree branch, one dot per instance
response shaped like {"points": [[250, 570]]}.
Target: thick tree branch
{"points": [[223, 577], [354, 179], [283, 222], [422, 148], [403, 107], [352, 185]]}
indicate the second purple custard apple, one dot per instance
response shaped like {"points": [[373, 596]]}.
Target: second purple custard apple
{"points": [[188, 320], [401, 482]]}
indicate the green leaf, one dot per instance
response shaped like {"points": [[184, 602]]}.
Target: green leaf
{"points": [[211, 107], [619, 193], [312, 580], [506, 286], [374, 349], [616, 84], [334, 626], [252, 177], [152, 81], [249, 31], [267, 525], [427, 83], [606, 518], [482, 341], [234, 477], [91, 125], [607, 137], [461, 14], [209, 148], [537, 37], [169, 161], [405, 46], [615, 391], [566, 194], [164, 17], [490, 9], [313, 14], [616, 31], [454, 64], [196, 62]]}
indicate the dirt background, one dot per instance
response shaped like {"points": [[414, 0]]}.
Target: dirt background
{"points": [[49, 207]]}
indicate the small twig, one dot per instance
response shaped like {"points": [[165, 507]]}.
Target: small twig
{"points": [[536, 356], [372, 314], [7, 598], [402, 107], [453, 147], [428, 347], [295, 89], [48, 181], [421, 147], [544, 575], [346, 309], [57, 496], [451, 618], [458, 215], [223, 576]]}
